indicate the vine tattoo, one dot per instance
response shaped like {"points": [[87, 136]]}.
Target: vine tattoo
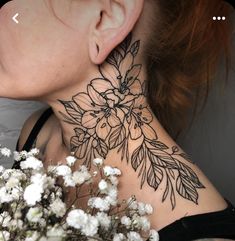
{"points": [[113, 112]]}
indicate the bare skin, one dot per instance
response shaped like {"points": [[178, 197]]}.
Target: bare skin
{"points": [[164, 215], [116, 117], [98, 98]]}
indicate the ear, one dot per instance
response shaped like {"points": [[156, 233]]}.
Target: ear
{"points": [[117, 19]]}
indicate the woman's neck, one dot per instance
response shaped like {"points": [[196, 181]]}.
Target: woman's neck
{"points": [[112, 112], [111, 119]]}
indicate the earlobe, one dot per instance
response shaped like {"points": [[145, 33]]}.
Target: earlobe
{"points": [[101, 47], [97, 51], [117, 19], [93, 51]]}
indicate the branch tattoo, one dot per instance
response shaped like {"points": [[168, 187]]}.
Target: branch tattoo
{"points": [[114, 112]]}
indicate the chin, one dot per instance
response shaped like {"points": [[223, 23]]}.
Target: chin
{"points": [[16, 93]]}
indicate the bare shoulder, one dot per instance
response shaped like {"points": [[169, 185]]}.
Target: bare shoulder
{"points": [[28, 126]]}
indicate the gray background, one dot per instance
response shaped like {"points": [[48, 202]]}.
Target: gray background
{"points": [[210, 141]]}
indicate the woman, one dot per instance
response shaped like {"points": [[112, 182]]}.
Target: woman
{"points": [[111, 71]]}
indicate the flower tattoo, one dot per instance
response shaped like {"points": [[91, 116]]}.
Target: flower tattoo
{"points": [[113, 112]]}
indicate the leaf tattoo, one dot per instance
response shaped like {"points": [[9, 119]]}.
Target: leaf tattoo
{"points": [[113, 112]]}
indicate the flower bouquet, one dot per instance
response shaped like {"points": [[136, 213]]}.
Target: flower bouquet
{"points": [[32, 206]]}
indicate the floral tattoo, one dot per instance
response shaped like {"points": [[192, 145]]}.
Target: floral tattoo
{"points": [[114, 112]]}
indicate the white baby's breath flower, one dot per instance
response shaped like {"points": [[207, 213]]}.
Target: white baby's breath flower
{"points": [[148, 209], [85, 172], [103, 185], [16, 224], [50, 182], [80, 220], [12, 182], [119, 237], [83, 168], [5, 218], [34, 189], [111, 201], [63, 170], [42, 222], [39, 179], [56, 232], [44, 186], [154, 235], [112, 196], [17, 156], [58, 207], [114, 180], [126, 221], [141, 208], [34, 214], [16, 192], [34, 152], [117, 171], [99, 203], [7, 173], [24, 154], [132, 204], [80, 177], [104, 219], [2, 169], [12, 189], [98, 162], [4, 236], [113, 192], [71, 160], [19, 174], [77, 218], [17, 214], [31, 162], [5, 196], [108, 170], [144, 223], [69, 181], [134, 236], [32, 236], [91, 227], [5, 152]]}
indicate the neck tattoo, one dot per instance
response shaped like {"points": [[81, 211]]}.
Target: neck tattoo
{"points": [[113, 112]]}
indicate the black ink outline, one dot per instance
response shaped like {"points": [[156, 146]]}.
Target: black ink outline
{"points": [[113, 112]]}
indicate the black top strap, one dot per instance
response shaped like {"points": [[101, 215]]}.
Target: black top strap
{"points": [[36, 129]]}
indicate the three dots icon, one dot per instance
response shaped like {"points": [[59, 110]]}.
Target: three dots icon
{"points": [[219, 18]]}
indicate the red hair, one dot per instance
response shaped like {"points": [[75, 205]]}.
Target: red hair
{"points": [[182, 55]]}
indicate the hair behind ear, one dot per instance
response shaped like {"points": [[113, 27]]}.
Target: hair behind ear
{"points": [[183, 54]]}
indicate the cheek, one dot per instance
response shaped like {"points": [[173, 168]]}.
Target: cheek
{"points": [[30, 75], [38, 55]]}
